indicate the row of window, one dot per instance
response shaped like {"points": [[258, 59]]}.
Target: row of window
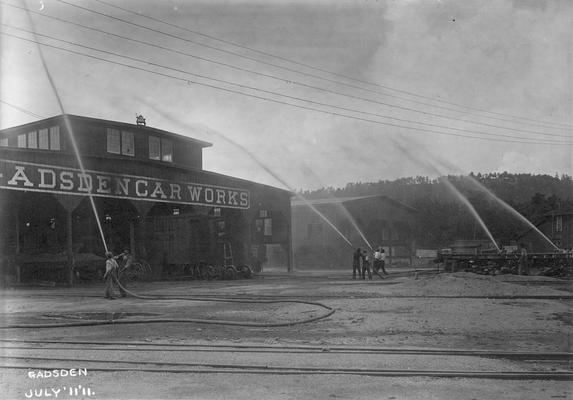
{"points": [[118, 142], [123, 142], [44, 139]]}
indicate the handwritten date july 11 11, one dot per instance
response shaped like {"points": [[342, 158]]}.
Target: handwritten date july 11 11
{"points": [[63, 391]]}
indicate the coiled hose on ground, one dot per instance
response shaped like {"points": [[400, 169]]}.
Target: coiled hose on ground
{"points": [[329, 312]]}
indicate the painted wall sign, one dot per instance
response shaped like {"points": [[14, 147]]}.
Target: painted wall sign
{"points": [[15, 175]]}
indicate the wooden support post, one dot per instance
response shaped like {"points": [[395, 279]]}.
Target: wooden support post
{"points": [[69, 247], [143, 208], [18, 269], [69, 203], [17, 215], [132, 238]]}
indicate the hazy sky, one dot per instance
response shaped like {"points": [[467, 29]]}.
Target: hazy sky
{"points": [[395, 71]]}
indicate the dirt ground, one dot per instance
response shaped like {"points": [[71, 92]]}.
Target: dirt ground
{"points": [[404, 311]]}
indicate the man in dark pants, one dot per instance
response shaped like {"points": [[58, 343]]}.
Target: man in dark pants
{"points": [[379, 261], [523, 267], [356, 259], [366, 265]]}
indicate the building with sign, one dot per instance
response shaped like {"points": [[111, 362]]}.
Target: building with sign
{"points": [[150, 191], [328, 241]]}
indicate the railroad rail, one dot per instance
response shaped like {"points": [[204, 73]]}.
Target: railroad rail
{"points": [[149, 360], [193, 347]]}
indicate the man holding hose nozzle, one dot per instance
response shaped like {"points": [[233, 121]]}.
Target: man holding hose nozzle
{"points": [[127, 261], [114, 275], [111, 270], [380, 262]]}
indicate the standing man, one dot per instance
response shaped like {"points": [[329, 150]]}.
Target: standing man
{"points": [[522, 269], [379, 261], [356, 257], [111, 269], [383, 261], [366, 265]]}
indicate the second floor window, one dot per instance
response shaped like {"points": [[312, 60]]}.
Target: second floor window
{"points": [[44, 139], [154, 148], [160, 149], [55, 138], [120, 142], [33, 140]]}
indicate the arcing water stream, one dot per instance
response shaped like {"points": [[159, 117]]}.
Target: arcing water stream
{"points": [[71, 134], [502, 203], [255, 158], [346, 213], [451, 187], [512, 211], [471, 209]]}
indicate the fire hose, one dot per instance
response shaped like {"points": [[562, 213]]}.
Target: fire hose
{"points": [[328, 313]]}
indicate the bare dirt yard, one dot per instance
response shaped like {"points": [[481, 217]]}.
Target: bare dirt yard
{"points": [[425, 336]]}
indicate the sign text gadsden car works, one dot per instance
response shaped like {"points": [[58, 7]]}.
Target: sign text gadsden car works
{"points": [[16, 175]]}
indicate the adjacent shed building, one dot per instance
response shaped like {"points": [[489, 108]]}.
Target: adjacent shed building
{"points": [[557, 226], [150, 191], [380, 220]]}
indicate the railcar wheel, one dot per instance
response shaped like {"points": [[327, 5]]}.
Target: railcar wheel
{"points": [[230, 273], [245, 271], [210, 272]]}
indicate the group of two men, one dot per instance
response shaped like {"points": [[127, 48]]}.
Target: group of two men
{"points": [[362, 260]]}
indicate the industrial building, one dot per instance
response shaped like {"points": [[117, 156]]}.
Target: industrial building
{"points": [[380, 220], [557, 226], [151, 194]]}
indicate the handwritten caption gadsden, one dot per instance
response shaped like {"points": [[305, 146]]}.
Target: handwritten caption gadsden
{"points": [[59, 391]]}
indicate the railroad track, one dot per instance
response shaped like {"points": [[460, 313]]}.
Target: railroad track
{"points": [[166, 347], [280, 360], [271, 297]]}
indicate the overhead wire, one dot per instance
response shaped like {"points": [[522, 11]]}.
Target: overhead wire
{"points": [[496, 136], [291, 81], [30, 113], [267, 91], [561, 125]]}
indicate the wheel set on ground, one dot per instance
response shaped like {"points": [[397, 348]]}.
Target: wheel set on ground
{"points": [[138, 271], [209, 272]]}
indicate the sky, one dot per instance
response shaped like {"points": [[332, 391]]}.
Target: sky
{"points": [[308, 94]]}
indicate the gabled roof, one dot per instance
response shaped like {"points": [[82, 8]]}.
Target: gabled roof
{"points": [[140, 128], [344, 200], [558, 212]]}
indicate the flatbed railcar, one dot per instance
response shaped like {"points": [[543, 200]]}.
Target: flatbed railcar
{"points": [[492, 263]]}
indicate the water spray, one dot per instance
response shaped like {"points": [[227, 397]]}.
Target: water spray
{"points": [[70, 131], [472, 210], [347, 215], [506, 206], [452, 188], [270, 172]]}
